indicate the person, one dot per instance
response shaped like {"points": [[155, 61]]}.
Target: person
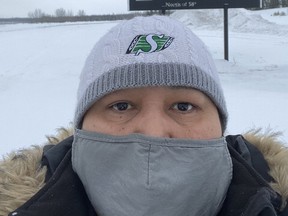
{"points": [[148, 139]]}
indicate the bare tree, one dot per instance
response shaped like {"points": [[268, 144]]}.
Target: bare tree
{"points": [[37, 13], [70, 13], [81, 13], [60, 12]]}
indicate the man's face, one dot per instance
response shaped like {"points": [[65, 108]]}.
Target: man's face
{"points": [[155, 111]]}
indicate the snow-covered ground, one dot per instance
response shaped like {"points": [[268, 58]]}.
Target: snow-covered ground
{"points": [[40, 65]]}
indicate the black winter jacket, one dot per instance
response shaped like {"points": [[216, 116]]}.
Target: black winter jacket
{"points": [[249, 193]]}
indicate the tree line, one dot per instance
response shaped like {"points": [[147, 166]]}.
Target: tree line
{"points": [[60, 12], [62, 15], [274, 3]]}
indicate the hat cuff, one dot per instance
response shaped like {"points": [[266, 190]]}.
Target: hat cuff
{"points": [[151, 74]]}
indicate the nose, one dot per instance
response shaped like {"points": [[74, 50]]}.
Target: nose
{"points": [[154, 123]]}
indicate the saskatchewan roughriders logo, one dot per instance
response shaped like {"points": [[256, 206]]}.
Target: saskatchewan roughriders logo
{"points": [[149, 43]]}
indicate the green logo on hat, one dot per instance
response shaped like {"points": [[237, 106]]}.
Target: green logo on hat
{"points": [[149, 44]]}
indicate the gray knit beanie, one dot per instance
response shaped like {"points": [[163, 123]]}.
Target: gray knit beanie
{"points": [[148, 51]]}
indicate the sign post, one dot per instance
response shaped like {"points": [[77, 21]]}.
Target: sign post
{"points": [[226, 36], [162, 5]]}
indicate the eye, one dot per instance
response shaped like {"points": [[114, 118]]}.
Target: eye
{"points": [[183, 107], [121, 106]]}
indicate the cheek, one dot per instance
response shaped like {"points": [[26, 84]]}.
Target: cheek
{"points": [[89, 124], [211, 124], [208, 129], [100, 125], [94, 123], [213, 129], [97, 126], [208, 132]]}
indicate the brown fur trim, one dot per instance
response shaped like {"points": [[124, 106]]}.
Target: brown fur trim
{"points": [[21, 174], [20, 178], [62, 133], [276, 154]]}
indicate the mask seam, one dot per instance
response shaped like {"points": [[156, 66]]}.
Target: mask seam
{"points": [[167, 143], [148, 165], [228, 156], [74, 159]]}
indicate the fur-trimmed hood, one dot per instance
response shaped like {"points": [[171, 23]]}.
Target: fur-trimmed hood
{"points": [[21, 174]]}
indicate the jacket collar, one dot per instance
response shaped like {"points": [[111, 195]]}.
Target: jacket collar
{"points": [[21, 174]]}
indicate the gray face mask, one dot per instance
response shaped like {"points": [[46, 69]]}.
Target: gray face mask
{"points": [[140, 175]]}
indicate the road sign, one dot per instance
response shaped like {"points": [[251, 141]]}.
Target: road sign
{"points": [[192, 4]]}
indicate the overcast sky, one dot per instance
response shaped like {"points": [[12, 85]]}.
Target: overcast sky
{"points": [[20, 8]]}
